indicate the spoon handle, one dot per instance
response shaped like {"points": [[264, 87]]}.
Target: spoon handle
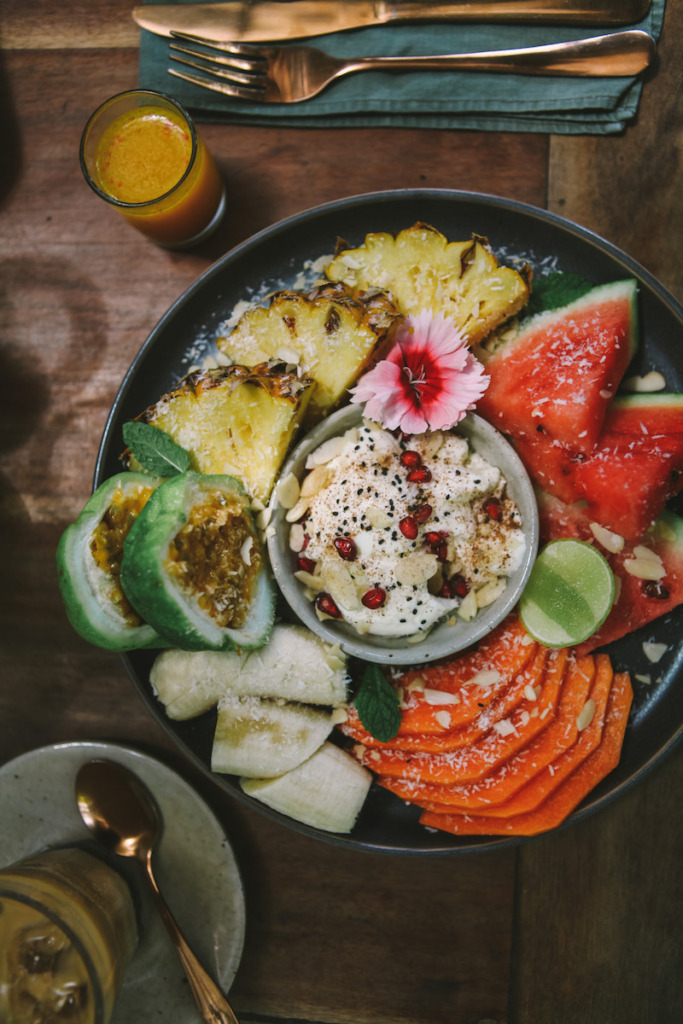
{"points": [[209, 998]]}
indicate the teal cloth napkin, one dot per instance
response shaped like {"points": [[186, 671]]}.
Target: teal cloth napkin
{"points": [[426, 99]]}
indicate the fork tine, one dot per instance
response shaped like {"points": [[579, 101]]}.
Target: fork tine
{"points": [[232, 83], [236, 91], [247, 50], [234, 69]]}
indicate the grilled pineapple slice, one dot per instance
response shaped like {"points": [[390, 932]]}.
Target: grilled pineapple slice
{"points": [[330, 336], [421, 269], [234, 420]]}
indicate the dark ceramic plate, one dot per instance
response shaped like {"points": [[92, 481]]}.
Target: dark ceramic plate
{"points": [[274, 259]]}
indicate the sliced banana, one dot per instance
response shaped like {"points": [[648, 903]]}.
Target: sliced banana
{"points": [[264, 738], [327, 791], [295, 665]]}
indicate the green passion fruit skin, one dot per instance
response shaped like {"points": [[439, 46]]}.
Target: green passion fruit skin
{"points": [[89, 557], [194, 567]]}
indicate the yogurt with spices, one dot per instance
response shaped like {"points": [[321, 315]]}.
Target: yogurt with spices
{"points": [[395, 533]]}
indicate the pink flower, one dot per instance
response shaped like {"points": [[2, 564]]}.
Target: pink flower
{"points": [[429, 380]]}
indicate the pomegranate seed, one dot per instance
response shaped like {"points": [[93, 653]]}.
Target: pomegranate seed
{"points": [[411, 459], [326, 604], [441, 552], [408, 527], [435, 537], [346, 547], [456, 586], [374, 598], [307, 538], [422, 513], [305, 564], [492, 508], [420, 476]]}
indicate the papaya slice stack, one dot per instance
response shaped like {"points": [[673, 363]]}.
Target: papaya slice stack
{"points": [[521, 764], [498, 788], [558, 805]]}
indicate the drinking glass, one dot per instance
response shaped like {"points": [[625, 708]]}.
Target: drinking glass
{"points": [[141, 152], [68, 929]]}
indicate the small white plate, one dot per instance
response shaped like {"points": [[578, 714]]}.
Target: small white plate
{"points": [[194, 865]]}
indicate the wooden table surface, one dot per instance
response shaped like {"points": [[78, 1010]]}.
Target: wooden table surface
{"points": [[577, 927]]}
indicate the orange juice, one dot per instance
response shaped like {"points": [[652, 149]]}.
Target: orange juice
{"points": [[141, 152]]}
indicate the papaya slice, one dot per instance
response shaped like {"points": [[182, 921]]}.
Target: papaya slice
{"points": [[484, 756], [494, 792], [475, 679], [516, 693], [564, 799]]}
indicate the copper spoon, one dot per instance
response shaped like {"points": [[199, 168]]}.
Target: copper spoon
{"points": [[121, 813]]}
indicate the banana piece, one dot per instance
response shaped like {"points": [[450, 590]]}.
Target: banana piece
{"points": [[327, 791], [257, 738], [295, 665]]}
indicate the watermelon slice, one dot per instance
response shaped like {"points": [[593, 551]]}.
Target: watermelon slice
{"points": [[559, 373], [634, 469], [648, 414], [639, 600]]}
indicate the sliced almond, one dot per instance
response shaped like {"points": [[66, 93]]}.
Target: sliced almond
{"points": [[468, 607], [440, 697], [610, 541], [307, 579], [485, 677], [339, 582], [653, 651], [287, 491], [490, 592], [327, 451], [378, 517], [443, 718], [416, 568], [296, 511], [644, 568], [315, 481], [433, 442], [652, 381], [297, 537], [504, 727], [587, 714]]}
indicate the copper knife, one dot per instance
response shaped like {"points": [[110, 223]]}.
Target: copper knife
{"points": [[261, 20]]}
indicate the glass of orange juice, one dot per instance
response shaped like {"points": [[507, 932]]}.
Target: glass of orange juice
{"points": [[68, 929], [141, 152]]}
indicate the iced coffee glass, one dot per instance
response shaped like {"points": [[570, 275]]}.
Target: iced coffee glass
{"points": [[68, 929]]}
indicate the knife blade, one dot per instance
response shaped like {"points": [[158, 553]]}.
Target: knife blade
{"points": [[263, 20]]}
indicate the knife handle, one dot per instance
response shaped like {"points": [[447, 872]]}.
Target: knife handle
{"points": [[607, 12]]}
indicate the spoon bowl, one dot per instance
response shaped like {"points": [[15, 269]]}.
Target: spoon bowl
{"points": [[129, 827], [122, 814]]}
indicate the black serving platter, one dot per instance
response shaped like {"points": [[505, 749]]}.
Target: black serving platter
{"points": [[274, 259]]}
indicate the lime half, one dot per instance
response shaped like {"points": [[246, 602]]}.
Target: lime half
{"points": [[569, 593]]}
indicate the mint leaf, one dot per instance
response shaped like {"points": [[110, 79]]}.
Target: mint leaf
{"points": [[154, 449], [555, 290], [377, 705]]}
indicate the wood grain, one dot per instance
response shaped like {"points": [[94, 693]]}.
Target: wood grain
{"points": [[627, 188]]}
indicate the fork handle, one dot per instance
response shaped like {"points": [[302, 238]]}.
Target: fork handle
{"points": [[615, 54]]}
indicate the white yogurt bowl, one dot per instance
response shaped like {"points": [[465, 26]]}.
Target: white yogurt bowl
{"points": [[453, 633]]}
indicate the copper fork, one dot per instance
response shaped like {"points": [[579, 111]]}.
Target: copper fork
{"points": [[290, 74]]}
